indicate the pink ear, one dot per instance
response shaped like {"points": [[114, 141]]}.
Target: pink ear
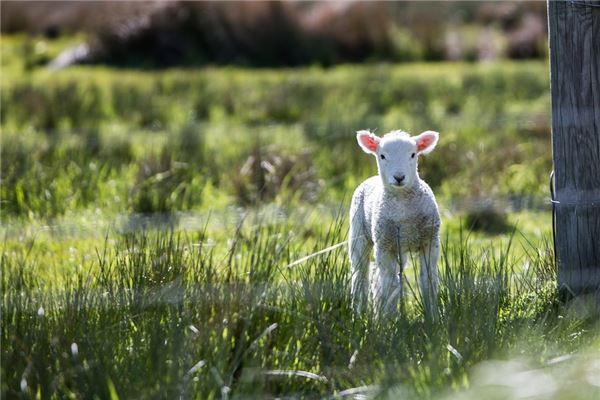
{"points": [[367, 141], [426, 141]]}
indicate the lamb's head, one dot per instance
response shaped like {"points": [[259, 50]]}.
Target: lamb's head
{"points": [[397, 154]]}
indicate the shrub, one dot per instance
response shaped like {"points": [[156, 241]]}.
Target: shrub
{"points": [[266, 176], [489, 219]]}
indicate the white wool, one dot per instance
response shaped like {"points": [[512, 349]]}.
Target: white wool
{"points": [[393, 214]]}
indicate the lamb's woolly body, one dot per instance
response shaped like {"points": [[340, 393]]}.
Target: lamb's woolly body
{"points": [[404, 221], [394, 221]]}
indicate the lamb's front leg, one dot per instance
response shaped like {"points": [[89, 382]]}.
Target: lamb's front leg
{"points": [[428, 274], [386, 283], [360, 255]]}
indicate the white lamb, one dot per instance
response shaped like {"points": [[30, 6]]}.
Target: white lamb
{"points": [[396, 213]]}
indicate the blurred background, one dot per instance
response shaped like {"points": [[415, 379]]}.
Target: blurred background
{"points": [[286, 33], [171, 106]]}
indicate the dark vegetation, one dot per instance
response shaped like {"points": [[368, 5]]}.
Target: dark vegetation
{"points": [[488, 218], [282, 33]]}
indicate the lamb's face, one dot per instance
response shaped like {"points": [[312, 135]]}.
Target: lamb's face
{"points": [[397, 154], [397, 160]]}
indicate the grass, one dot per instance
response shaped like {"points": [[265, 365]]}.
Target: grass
{"points": [[149, 218], [155, 141], [162, 315]]}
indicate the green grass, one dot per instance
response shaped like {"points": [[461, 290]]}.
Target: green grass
{"points": [[154, 141], [162, 315], [148, 219]]}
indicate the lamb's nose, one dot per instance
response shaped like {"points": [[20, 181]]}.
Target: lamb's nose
{"points": [[399, 179]]}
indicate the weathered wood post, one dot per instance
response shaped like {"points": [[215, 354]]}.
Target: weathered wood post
{"points": [[574, 38]]}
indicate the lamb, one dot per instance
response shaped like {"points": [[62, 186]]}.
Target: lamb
{"points": [[395, 213]]}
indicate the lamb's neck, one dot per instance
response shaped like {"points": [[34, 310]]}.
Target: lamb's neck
{"points": [[404, 193]]}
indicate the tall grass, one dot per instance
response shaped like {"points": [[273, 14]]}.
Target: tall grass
{"points": [[167, 315]]}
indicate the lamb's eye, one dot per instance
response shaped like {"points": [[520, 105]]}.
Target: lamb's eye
{"points": [[412, 155], [382, 157]]}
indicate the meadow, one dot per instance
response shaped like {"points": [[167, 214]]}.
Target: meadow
{"points": [[151, 220]]}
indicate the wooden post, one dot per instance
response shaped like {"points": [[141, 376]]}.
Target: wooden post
{"points": [[574, 37]]}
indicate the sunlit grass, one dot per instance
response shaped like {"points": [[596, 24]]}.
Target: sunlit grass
{"points": [[197, 129], [164, 314]]}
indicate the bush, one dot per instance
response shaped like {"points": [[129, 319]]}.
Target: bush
{"points": [[264, 177], [488, 219]]}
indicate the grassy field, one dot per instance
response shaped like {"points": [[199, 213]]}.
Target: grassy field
{"points": [[149, 220]]}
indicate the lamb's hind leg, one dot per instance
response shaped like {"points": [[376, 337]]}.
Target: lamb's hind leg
{"points": [[360, 249], [428, 275]]}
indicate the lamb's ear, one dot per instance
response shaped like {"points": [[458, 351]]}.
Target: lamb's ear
{"points": [[368, 141], [426, 141]]}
